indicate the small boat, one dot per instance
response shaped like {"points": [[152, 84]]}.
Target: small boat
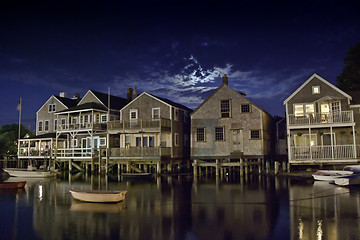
{"points": [[12, 185], [353, 179], [353, 168], [330, 175], [98, 196], [29, 173]]}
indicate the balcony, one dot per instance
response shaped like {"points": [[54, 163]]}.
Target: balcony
{"points": [[81, 126], [142, 152], [140, 125], [321, 118], [315, 153]]}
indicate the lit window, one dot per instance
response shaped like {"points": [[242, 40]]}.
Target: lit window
{"points": [[200, 134], [316, 89], [219, 134], [225, 108], [255, 134]]}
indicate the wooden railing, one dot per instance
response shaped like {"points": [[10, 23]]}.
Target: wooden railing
{"points": [[81, 126], [321, 118], [139, 124], [77, 152], [140, 152], [322, 152]]}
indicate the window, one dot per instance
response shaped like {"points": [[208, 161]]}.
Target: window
{"points": [[74, 143], [151, 141], [305, 140], [200, 134], [176, 139], [316, 89], [255, 134], [104, 118], [176, 114], [219, 134], [86, 118], [304, 109], [138, 141], [245, 108], [74, 120], [117, 142], [102, 141], [55, 124], [156, 113], [40, 127], [127, 141], [63, 121], [133, 114], [145, 141], [225, 108], [46, 127], [52, 107], [97, 118]]}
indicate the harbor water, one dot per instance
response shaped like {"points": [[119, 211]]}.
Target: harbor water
{"points": [[181, 207]]}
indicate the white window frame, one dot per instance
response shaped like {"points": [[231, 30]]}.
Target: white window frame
{"points": [[197, 139], [153, 114], [104, 118], [55, 124], [304, 112], [46, 125], [313, 137], [257, 137], [131, 112], [103, 139], [52, 107], [40, 126], [223, 134], [315, 89]]}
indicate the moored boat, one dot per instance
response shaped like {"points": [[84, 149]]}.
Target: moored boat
{"points": [[353, 168], [98, 196], [330, 175], [29, 173], [353, 179], [12, 185]]}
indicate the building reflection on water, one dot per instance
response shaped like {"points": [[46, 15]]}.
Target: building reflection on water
{"points": [[252, 207], [324, 211]]}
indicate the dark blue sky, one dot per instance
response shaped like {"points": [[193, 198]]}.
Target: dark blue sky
{"points": [[174, 49]]}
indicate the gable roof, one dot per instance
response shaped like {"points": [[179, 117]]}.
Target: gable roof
{"points": [[321, 79], [116, 103], [164, 100], [66, 102], [85, 106], [237, 92]]}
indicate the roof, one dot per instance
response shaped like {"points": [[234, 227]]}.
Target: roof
{"points": [[115, 102], [321, 79], [45, 136], [89, 105], [178, 105], [68, 102], [218, 89]]}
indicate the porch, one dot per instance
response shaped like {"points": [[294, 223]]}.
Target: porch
{"points": [[321, 118], [325, 154], [139, 125]]}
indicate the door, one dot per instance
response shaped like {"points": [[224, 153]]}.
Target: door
{"points": [[237, 141]]}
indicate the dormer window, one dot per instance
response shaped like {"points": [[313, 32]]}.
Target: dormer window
{"points": [[316, 89]]}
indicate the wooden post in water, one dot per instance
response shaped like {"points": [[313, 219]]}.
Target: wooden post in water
{"points": [[70, 166], [276, 167], [241, 167], [217, 166], [195, 168]]}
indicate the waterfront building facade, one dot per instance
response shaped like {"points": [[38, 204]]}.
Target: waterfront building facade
{"points": [[41, 146], [151, 132], [320, 124], [228, 127]]}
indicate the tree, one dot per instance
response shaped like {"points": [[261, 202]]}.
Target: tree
{"points": [[9, 136], [349, 78]]}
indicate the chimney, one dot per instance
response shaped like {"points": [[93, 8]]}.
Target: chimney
{"points": [[129, 94], [63, 94], [225, 79], [135, 93], [76, 96]]}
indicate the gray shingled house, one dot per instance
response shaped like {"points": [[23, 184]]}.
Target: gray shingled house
{"points": [[228, 126]]}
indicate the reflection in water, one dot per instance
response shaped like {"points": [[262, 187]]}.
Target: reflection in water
{"points": [[249, 207]]}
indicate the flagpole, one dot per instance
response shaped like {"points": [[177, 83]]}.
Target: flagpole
{"points": [[19, 108]]}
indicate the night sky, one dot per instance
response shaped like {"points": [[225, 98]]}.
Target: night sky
{"points": [[174, 49]]}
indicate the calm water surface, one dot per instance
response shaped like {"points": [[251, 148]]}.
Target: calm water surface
{"points": [[180, 207]]}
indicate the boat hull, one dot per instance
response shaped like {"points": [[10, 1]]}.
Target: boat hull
{"points": [[25, 173], [12, 185], [348, 180], [98, 196], [330, 175]]}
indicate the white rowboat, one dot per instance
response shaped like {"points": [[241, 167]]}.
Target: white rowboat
{"points": [[353, 179], [26, 173], [98, 195], [330, 175]]}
